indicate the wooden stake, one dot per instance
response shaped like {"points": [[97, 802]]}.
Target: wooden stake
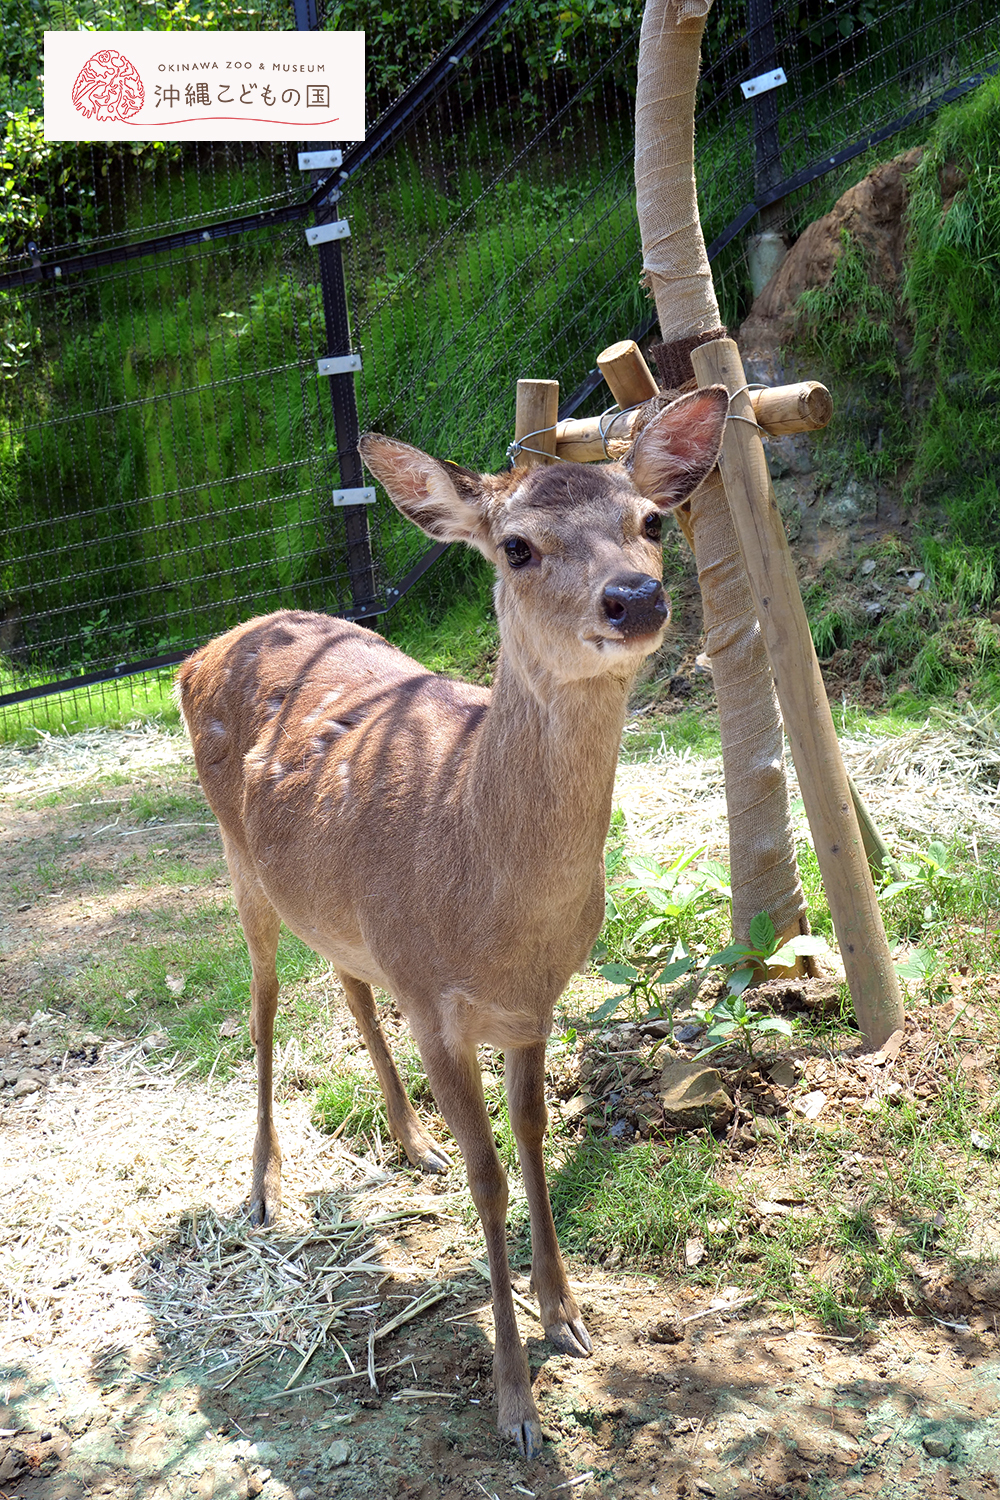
{"points": [[779, 409], [629, 378], [793, 408], [823, 780], [535, 419]]}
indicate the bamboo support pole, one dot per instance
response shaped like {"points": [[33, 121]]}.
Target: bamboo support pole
{"points": [[535, 417], [823, 780], [779, 410]]}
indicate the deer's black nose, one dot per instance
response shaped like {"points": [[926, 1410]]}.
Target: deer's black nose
{"points": [[636, 604]]}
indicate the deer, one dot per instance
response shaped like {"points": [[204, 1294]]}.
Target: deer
{"points": [[443, 842]]}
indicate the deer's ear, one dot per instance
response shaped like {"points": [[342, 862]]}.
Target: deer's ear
{"points": [[446, 501], [679, 447]]}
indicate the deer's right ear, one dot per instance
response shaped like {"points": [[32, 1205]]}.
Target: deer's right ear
{"points": [[446, 501]]}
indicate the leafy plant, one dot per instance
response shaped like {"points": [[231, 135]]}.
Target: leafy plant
{"points": [[762, 952], [934, 878], [743, 960], [675, 892], [732, 1020]]}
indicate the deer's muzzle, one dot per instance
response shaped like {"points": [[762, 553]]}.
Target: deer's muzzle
{"points": [[635, 604]]}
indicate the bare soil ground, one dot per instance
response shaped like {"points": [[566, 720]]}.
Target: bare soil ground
{"points": [[151, 1336]]}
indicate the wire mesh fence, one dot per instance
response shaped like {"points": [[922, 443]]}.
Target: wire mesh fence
{"points": [[169, 452]]}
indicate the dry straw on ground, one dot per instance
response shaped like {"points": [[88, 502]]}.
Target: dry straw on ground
{"points": [[101, 1249], [939, 781]]}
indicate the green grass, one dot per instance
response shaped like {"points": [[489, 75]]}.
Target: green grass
{"points": [[652, 735], [130, 992], [917, 375], [110, 705], [640, 1201]]}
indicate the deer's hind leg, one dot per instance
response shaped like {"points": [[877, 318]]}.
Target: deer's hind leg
{"points": [[261, 926], [421, 1148]]}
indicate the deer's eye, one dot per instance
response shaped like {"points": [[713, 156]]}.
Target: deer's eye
{"points": [[653, 526], [517, 551]]}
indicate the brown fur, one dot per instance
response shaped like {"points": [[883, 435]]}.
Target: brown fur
{"points": [[438, 841]]}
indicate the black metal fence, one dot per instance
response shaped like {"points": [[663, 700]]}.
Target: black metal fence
{"points": [[170, 452]]}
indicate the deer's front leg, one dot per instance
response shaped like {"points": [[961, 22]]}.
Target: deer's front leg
{"points": [[525, 1078], [458, 1089]]}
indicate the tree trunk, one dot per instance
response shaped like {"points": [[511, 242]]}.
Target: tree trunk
{"points": [[761, 848]]}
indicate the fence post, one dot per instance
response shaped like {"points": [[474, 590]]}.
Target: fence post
{"points": [[343, 397], [766, 248]]}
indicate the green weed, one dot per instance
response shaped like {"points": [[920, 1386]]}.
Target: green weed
{"points": [[639, 1203]]}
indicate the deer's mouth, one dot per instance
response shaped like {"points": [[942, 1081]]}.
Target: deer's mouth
{"points": [[627, 641]]}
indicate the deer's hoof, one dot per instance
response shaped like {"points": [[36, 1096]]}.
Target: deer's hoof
{"points": [[426, 1154], [570, 1337], [527, 1437], [261, 1212]]}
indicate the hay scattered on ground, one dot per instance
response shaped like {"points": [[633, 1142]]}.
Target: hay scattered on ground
{"points": [[941, 781], [58, 761], [101, 1249]]}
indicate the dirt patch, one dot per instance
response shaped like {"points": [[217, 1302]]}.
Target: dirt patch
{"points": [[872, 213], [125, 1378]]}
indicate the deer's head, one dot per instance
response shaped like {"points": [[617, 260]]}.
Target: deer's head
{"points": [[576, 546]]}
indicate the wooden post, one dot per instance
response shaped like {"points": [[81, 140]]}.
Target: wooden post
{"points": [[629, 378], [779, 409], [823, 780], [535, 418]]}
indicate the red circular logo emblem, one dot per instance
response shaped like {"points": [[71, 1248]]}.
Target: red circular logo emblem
{"points": [[108, 87]]}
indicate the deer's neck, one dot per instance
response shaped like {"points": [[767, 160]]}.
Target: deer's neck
{"points": [[542, 774]]}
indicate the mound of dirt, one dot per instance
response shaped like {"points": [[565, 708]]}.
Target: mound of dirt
{"points": [[872, 212]]}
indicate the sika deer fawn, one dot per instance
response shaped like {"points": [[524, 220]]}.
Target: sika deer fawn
{"points": [[441, 842]]}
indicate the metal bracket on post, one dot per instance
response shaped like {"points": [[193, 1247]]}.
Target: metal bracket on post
{"points": [[365, 496], [322, 234], [339, 364], [320, 161]]}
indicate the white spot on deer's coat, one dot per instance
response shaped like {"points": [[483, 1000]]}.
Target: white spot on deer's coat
{"points": [[344, 776], [323, 705]]}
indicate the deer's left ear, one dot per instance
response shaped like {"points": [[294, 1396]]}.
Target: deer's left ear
{"points": [[679, 448]]}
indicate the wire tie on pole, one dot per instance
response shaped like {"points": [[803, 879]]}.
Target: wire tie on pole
{"points": [[619, 411], [519, 445], [735, 416]]}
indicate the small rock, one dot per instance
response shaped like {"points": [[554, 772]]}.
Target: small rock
{"points": [[256, 1482], [26, 1085], [305, 1493], [687, 1033], [338, 1454], [692, 1094], [571, 1109], [783, 1073], [936, 1446], [671, 1331], [265, 1452], [811, 1105]]}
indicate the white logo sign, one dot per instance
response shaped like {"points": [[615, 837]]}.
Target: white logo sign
{"points": [[204, 86]]}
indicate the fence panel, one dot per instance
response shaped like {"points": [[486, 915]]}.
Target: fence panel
{"points": [[168, 457]]}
